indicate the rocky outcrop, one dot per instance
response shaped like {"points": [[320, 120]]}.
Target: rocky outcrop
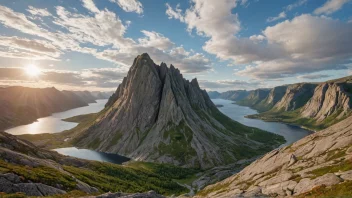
{"points": [[11, 183], [157, 115], [296, 96], [328, 99], [254, 97], [150, 194], [318, 160], [233, 95]]}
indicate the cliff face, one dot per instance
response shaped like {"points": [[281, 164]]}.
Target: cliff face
{"points": [[312, 105], [234, 95], [328, 99], [296, 96], [157, 115], [274, 96], [21, 105], [318, 161], [254, 97]]}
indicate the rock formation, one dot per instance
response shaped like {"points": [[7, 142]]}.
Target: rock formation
{"points": [[319, 160], [295, 97], [229, 95], [157, 115], [254, 97], [328, 99]]}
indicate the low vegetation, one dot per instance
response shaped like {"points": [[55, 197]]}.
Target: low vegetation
{"points": [[294, 117], [341, 190]]}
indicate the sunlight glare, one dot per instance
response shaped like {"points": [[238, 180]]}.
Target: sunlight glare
{"points": [[32, 70]]}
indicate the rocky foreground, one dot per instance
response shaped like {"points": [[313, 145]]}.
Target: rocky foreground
{"points": [[157, 115], [319, 163]]}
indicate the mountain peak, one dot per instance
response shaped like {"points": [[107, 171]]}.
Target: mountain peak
{"points": [[157, 115]]}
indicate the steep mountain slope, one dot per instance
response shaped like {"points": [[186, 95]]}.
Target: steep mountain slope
{"points": [[36, 172], [234, 95], [213, 94], [315, 106], [254, 97], [21, 105], [295, 97], [274, 96], [157, 115], [318, 165]]}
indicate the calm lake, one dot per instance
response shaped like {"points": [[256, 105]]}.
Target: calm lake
{"points": [[236, 112], [54, 124]]}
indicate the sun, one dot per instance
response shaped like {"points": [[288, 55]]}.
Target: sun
{"points": [[32, 70]]}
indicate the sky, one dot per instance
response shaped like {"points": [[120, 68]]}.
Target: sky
{"points": [[225, 44]]}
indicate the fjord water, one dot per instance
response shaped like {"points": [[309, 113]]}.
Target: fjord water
{"points": [[92, 155], [54, 123], [237, 112]]}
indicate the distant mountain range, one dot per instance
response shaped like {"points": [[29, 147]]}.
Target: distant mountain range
{"points": [[312, 105], [22, 105]]}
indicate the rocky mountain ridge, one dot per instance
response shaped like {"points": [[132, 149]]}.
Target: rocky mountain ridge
{"points": [[318, 165], [156, 115], [311, 105]]}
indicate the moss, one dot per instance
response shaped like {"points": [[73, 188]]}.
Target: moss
{"points": [[132, 178], [94, 144], [341, 190], [341, 166], [115, 139], [295, 117], [180, 142], [41, 174], [217, 187]]}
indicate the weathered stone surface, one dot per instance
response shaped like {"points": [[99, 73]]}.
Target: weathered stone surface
{"points": [[275, 172], [296, 96], [329, 98], [306, 184], [293, 159], [150, 194], [346, 175], [155, 110], [10, 183]]}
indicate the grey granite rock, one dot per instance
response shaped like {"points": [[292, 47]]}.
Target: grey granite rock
{"points": [[157, 115]]}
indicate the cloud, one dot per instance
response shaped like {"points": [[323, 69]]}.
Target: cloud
{"points": [[101, 28], [154, 39], [229, 84], [330, 6], [257, 38], [40, 48], [38, 11], [174, 13], [282, 15], [313, 76], [285, 49], [306, 50], [94, 77], [296, 5], [130, 5]]}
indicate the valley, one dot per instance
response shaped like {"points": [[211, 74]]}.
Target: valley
{"points": [[184, 176]]}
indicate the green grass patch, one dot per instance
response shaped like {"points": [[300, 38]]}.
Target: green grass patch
{"points": [[341, 166], [41, 174], [341, 190], [214, 188], [131, 178]]}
